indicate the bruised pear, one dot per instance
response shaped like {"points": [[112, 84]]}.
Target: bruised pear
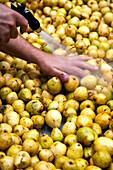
{"points": [[69, 165], [22, 159], [7, 162], [5, 140], [46, 155], [54, 85], [34, 107]]}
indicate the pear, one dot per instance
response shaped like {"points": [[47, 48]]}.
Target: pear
{"points": [[70, 139], [34, 107], [103, 119], [88, 152], [6, 140], [81, 163], [92, 167], [103, 143], [22, 159], [102, 158], [25, 94], [56, 134], [75, 151], [7, 162], [45, 141], [13, 150], [54, 85], [72, 84], [69, 165], [38, 121], [31, 146], [89, 82], [110, 104], [4, 91], [42, 165], [74, 21], [109, 55], [33, 133], [68, 128], [59, 161], [53, 118], [45, 155], [58, 148], [103, 29], [86, 136], [81, 93]]}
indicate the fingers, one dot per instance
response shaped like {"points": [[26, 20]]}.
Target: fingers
{"points": [[77, 72], [86, 65], [62, 75], [4, 35], [13, 32], [22, 22]]}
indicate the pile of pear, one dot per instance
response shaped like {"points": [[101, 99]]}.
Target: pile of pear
{"points": [[77, 114]]}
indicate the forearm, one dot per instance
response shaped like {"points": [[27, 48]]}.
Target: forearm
{"points": [[21, 48]]}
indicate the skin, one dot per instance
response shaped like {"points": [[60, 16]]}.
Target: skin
{"points": [[13, 44]]}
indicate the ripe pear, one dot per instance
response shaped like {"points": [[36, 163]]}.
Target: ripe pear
{"points": [[69, 165], [110, 104], [45, 141], [102, 158], [13, 150], [54, 85], [103, 143], [25, 94], [59, 161], [53, 118], [4, 91], [89, 82], [81, 93], [75, 151], [72, 84], [58, 148], [70, 139], [56, 134], [33, 133], [81, 163]]}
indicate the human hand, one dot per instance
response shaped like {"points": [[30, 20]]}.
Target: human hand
{"points": [[61, 66], [9, 19]]}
